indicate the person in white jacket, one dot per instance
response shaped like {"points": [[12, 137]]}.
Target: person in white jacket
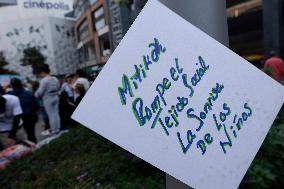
{"points": [[10, 119]]}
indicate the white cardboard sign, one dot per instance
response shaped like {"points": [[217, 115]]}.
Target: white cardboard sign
{"points": [[178, 99]]}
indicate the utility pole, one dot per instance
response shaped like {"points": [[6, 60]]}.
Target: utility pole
{"points": [[273, 24], [209, 16]]}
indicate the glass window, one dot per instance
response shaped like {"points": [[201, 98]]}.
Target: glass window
{"points": [[99, 12], [85, 5], [87, 53], [100, 24], [93, 1], [78, 12], [104, 45], [83, 55], [98, 19], [83, 31], [81, 7]]}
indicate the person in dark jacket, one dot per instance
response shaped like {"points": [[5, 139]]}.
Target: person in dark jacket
{"points": [[29, 106], [66, 108], [80, 91]]}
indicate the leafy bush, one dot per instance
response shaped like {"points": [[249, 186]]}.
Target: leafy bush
{"points": [[267, 169]]}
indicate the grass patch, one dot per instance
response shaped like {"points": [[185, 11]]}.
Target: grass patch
{"points": [[81, 159]]}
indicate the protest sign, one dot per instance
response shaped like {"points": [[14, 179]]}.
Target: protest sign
{"points": [[175, 97]]}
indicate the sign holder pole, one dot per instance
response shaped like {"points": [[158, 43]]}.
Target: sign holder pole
{"points": [[210, 17]]}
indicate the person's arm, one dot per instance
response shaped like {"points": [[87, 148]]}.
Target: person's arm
{"points": [[58, 85], [41, 89], [15, 126], [17, 112]]}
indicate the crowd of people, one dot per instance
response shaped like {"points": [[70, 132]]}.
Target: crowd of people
{"points": [[53, 99]]}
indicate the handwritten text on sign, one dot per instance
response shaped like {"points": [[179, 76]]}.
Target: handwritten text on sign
{"points": [[178, 99], [152, 113]]}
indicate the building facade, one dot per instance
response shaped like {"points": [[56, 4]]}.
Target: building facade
{"points": [[92, 34], [256, 28], [121, 18], [100, 26], [40, 24]]}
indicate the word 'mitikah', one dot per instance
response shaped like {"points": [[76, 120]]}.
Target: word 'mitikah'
{"points": [[140, 71]]}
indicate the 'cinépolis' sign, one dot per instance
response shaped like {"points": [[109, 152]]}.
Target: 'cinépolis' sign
{"points": [[45, 5]]}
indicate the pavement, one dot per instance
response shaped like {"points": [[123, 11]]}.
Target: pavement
{"points": [[40, 126]]}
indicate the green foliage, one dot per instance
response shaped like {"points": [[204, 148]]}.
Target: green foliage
{"points": [[33, 58], [267, 169], [81, 159], [3, 64]]}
